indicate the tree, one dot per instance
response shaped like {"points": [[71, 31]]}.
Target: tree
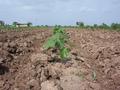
{"points": [[14, 24], [115, 26], [46, 25], [2, 23], [105, 26], [80, 24], [29, 24], [87, 26], [95, 26]]}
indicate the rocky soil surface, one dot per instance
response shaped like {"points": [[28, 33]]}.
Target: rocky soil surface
{"points": [[94, 62]]}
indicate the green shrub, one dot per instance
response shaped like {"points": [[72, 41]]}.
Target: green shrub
{"points": [[80, 24], [58, 41]]}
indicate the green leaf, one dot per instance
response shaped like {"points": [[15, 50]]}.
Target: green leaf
{"points": [[60, 43], [50, 43], [64, 52], [57, 29]]}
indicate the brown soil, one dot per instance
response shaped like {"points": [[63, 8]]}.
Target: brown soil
{"points": [[94, 62]]}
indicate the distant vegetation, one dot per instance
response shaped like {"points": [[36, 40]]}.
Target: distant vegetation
{"points": [[82, 25], [113, 26], [14, 25]]}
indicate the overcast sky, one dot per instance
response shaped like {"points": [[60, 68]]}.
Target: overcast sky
{"points": [[64, 12]]}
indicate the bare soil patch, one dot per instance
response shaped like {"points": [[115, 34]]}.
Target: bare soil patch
{"points": [[94, 62]]}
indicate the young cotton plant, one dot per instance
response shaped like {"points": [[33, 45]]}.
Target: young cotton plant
{"points": [[58, 41]]}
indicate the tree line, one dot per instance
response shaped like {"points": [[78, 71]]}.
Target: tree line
{"points": [[115, 26], [14, 24]]}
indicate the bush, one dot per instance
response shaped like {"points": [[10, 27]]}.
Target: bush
{"points": [[58, 41]]}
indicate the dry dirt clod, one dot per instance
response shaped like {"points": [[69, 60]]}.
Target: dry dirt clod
{"points": [[33, 84], [39, 58], [1, 83], [1, 59], [43, 77], [50, 85], [73, 82]]}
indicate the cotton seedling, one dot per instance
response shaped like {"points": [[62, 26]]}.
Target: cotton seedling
{"points": [[58, 41]]}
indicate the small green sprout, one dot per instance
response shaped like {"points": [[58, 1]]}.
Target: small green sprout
{"points": [[58, 41]]}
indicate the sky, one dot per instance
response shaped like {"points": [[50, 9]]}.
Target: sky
{"points": [[60, 12]]}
